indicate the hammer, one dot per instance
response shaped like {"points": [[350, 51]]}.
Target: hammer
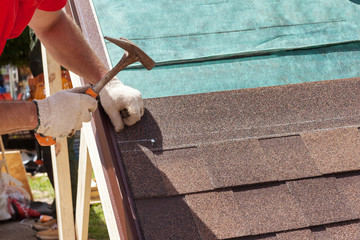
{"points": [[132, 54]]}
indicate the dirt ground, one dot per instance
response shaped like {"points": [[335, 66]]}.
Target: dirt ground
{"points": [[17, 230]]}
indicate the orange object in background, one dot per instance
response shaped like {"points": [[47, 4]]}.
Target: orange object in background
{"points": [[45, 218], [37, 85], [34, 85], [66, 80], [40, 91]]}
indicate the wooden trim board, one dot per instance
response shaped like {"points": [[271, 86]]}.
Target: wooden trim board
{"points": [[111, 170], [83, 191], [60, 161], [88, 134]]}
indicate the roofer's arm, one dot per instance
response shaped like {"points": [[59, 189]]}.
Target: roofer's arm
{"points": [[55, 116], [65, 42], [12, 116]]}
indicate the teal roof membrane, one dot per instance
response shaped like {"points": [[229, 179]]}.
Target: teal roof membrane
{"points": [[192, 31], [283, 68]]}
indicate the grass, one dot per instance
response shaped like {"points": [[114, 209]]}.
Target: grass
{"points": [[97, 226], [41, 188], [43, 191]]}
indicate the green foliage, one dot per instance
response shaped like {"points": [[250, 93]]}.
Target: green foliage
{"points": [[16, 50], [97, 225]]}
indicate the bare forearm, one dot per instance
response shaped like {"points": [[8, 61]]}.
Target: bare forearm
{"points": [[66, 44], [17, 116]]}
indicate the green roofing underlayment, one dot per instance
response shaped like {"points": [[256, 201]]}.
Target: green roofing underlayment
{"points": [[215, 45]]}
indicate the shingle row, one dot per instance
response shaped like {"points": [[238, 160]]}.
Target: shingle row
{"points": [[246, 113], [222, 165], [278, 209], [271, 163]]}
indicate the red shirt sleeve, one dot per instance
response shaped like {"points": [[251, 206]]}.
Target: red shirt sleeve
{"points": [[7, 20], [52, 5], [16, 14]]}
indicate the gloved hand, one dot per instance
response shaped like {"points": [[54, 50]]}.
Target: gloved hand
{"points": [[116, 97], [63, 113]]}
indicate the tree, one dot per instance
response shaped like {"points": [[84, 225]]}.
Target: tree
{"points": [[16, 51]]}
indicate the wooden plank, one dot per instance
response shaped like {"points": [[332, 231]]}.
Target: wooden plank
{"points": [[15, 167], [87, 133], [83, 191], [2, 148], [60, 161], [99, 171]]}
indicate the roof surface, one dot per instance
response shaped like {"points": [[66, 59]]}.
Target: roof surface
{"points": [[266, 163]]}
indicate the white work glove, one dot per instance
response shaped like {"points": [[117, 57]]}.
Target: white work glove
{"points": [[63, 113], [116, 97]]}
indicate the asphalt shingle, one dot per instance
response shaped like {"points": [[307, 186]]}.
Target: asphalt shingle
{"points": [[174, 212], [237, 163], [270, 209], [349, 186], [289, 157], [217, 212], [320, 201], [245, 113], [348, 231], [320, 233], [185, 170], [145, 178], [272, 163], [304, 234], [334, 150]]}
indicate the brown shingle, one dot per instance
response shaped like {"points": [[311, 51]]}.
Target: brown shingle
{"points": [[260, 237], [334, 150], [223, 129], [289, 157], [304, 234], [350, 187], [166, 173], [168, 218], [237, 163], [244, 113], [339, 231], [145, 178], [217, 212], [270, 209], [320, 233], [348, 231], [185, 170], [320, 201]]}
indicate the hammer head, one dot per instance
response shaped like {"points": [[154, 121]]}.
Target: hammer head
{"points": [[133, 49]]}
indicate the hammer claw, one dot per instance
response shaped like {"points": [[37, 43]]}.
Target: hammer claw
{"points": [[132, 54]]}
